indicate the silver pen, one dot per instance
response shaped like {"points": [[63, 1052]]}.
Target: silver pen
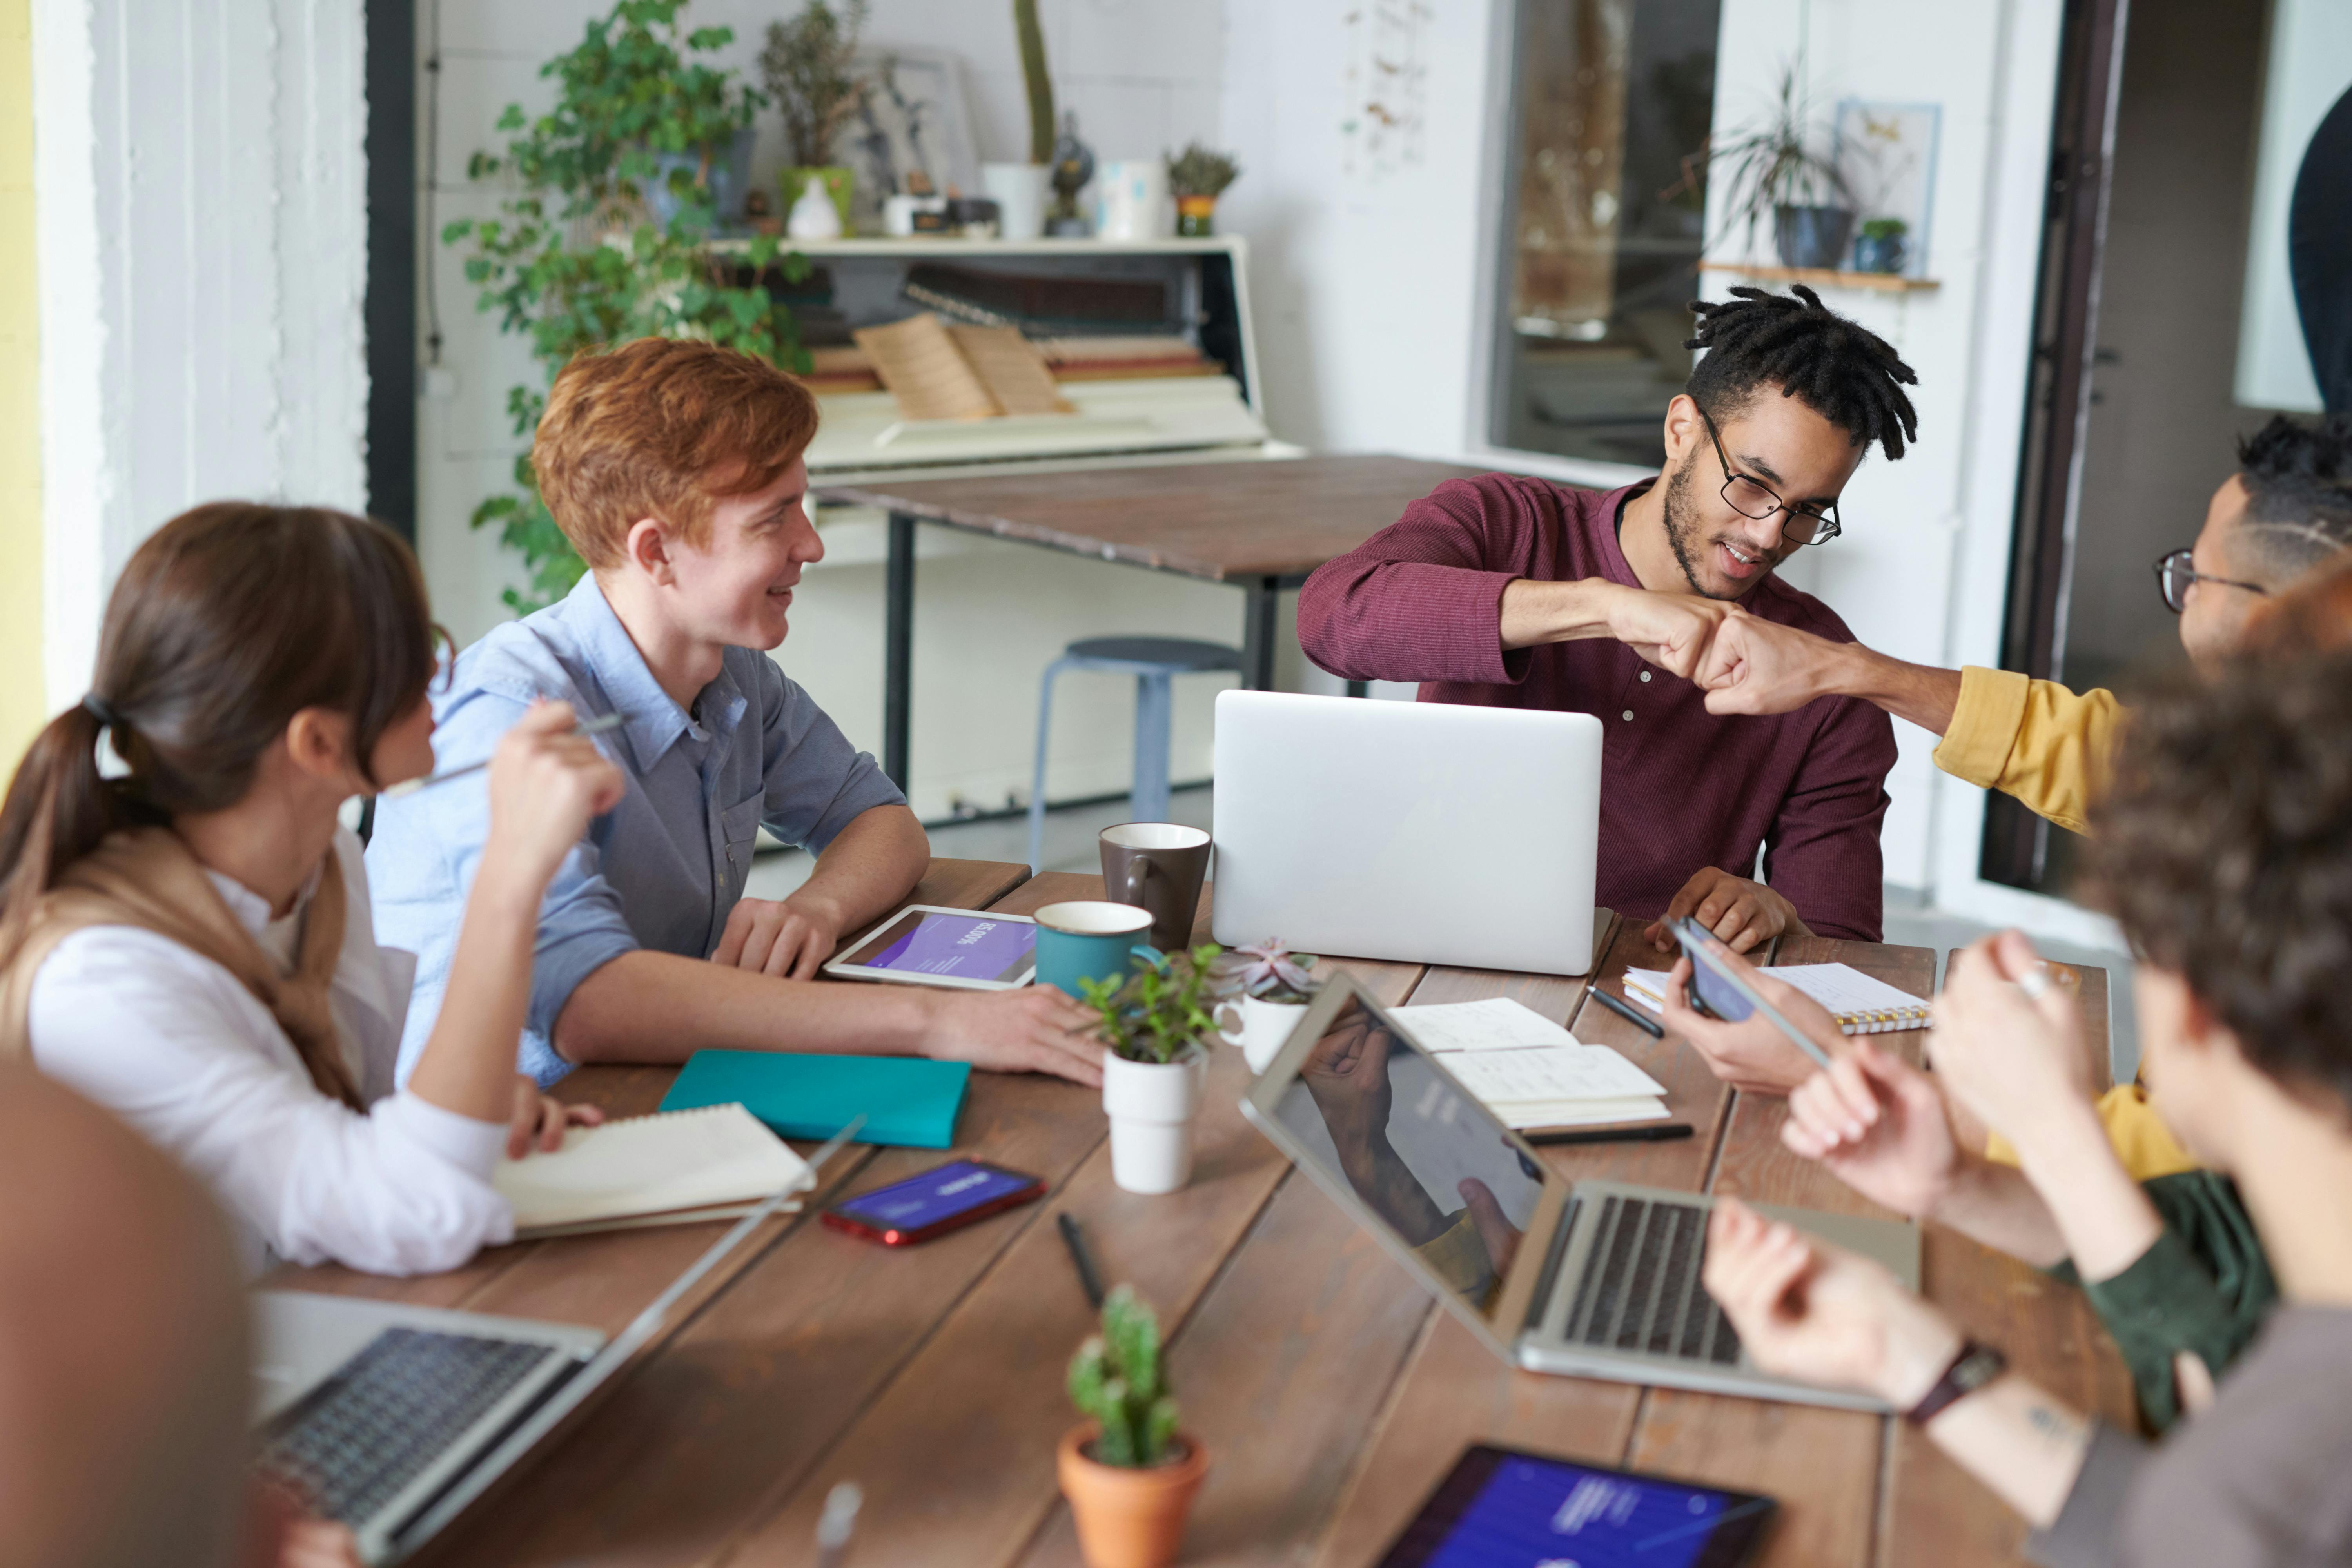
{"points": [[595, 726]]}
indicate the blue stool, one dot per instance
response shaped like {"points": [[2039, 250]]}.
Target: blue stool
{"points": [[1154, 662]]}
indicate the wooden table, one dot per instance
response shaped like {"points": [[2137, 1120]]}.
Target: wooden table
{"points": [[1331, 1390], [1262, 525]]}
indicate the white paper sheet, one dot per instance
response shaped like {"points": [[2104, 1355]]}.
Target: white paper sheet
{"points": [[1548, 1075], [1497, 1023]]}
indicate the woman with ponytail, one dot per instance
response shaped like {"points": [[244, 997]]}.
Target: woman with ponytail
{"points": [[186, 933]]}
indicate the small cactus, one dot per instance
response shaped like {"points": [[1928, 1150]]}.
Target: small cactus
{"points": [[1115, 1379]]}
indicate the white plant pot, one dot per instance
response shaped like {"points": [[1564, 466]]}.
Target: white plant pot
{"points": [[1151, 1106], [1019, 191], [1259, 1028]]}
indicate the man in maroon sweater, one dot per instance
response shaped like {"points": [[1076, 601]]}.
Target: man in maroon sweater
{"points": [[1518, 593]]}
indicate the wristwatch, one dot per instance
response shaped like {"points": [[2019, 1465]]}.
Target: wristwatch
{"points": [[1975, 1365]]}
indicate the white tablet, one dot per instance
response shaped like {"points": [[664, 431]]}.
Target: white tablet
{"points": [[924, 945]]}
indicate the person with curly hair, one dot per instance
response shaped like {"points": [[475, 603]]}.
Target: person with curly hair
{"points": [[2224, 849]]}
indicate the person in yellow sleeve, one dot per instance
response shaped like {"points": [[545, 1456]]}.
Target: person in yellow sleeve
{"points": [[2287, 508]]}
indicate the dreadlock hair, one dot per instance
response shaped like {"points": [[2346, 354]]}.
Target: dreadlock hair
{"points": [[1846, 372], [2298, 480]]}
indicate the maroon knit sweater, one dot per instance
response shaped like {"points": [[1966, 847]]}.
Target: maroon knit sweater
{"points": [[1680, 787]]}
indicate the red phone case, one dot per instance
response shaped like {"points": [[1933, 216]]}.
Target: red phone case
{"points": [[850, 1225]]}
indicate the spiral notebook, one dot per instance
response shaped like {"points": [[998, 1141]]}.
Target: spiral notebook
{"points": [[1861, 1005], [675, 1168]]}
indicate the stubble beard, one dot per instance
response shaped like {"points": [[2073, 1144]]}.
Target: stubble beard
{"points": [[1682, 530]]}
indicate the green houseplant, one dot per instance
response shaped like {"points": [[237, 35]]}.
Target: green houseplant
{"points": [[1196, 178], [1130, 1475], [1019, 189], [1769, 170], [1154, 1022], [1271, 989], [577, 257], [806, 67]]}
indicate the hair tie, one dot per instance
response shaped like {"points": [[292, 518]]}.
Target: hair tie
{"points": [[103, 710]]}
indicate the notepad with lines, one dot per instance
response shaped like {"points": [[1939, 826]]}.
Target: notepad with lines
{"points": [[1861, 1005], [682, 1165]]}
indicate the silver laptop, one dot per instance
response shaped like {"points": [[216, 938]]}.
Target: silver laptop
{"points": [[393, 1418], [1591, 1278], [1427, 832]]}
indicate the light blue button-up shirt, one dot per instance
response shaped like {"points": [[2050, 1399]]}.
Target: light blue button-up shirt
{"points": [[664, 867]]}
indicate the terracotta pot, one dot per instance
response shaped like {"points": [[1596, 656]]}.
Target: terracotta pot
{"points": [[1129, 1519]]}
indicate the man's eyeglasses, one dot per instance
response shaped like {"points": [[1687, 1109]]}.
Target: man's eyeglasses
{"points": [[2174, 573], [1753, 498]]}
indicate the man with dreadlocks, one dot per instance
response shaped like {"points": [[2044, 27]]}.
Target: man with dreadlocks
{"points": [[1516, 592]]}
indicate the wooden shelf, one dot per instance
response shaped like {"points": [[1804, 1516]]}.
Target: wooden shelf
{"points": [[951, 245], [1824, 277]]}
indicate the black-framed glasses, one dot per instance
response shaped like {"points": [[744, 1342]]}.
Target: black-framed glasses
{"points": [[1751, 496], [2174, 573]]}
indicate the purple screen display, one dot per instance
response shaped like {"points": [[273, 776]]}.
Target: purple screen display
{"points": [[1533, 1512], [934, 1195], [964, 947]]}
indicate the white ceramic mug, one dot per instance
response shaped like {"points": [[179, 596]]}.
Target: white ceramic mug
{"points": [[1260, 1027], [1131, 200]]}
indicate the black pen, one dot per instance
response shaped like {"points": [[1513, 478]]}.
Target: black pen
{"points": [[1075, 1240], [1655, 1132], [1631, 1013]]}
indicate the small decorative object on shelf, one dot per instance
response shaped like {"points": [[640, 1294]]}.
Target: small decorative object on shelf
{"points": [[1197, 177], [1769, 169], [1130, 1475], [806, 67], [1155, 1022], [1880, 246], [1272, 989], [1019, 189], [1073, 166]]}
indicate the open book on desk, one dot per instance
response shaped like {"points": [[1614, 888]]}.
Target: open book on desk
{"points": [[1530, 1071], [676, 1168]]}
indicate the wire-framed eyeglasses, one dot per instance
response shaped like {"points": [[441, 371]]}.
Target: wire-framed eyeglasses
{"points": [[1751, 496], [2175, 571]]}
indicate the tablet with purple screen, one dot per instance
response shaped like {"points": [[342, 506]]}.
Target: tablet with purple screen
{"points": [[925, 945], [1502, 1508]]}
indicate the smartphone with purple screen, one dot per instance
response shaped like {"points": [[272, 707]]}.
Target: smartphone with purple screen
{"points": [[1504, 1508], [941, 1199]]}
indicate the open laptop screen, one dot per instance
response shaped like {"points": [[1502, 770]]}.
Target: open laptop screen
{"points": [[1432, 1164]]}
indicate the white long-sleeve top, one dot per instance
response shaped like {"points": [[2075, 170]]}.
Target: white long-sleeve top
{"points": [[171, 1043]]}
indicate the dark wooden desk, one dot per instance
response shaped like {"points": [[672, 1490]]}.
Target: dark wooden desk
{"points": [[1331, 1390], [1262, 525]]}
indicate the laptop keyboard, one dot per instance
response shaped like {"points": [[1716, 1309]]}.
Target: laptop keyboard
{"points": [[1641, 1289], [358, 1438]]}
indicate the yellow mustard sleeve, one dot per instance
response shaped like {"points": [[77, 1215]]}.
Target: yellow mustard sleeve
{"points": [[2031, 739], [2147, 1147]]}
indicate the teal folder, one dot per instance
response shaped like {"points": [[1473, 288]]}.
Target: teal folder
{"points": [[906, 1100]]}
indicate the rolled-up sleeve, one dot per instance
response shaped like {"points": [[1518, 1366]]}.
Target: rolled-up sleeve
{"points": [[816, 782], [1422, 600], [2033, 739], [176, 1047]]}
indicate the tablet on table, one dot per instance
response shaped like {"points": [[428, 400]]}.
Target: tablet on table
{"points": [[926, 944], [1505, 1508]]}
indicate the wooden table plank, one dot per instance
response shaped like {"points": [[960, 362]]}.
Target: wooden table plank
{"points": [[968, 884], [1217, 521]]}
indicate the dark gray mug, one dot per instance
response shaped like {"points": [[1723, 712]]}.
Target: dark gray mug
{"points": [[1158, 866]]}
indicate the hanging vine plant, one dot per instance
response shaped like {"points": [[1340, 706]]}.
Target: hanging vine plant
{"points": [[576, 257]]}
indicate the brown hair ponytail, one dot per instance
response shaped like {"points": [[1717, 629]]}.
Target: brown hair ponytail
{"points": [[229, 620]]}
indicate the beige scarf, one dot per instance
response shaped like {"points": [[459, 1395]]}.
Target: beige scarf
{"points": [[147, 878]]}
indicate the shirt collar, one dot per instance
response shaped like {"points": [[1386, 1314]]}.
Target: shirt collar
{"points": [[655, 720]]}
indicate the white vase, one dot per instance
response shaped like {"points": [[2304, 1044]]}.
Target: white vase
{"points": [[1260, 1027], [1131, 201], [1019, 192], [1151, 1106], [813, 215]]}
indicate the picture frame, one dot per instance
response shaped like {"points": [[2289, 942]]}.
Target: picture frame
{"points": [[1888, 153], [914, 116]]}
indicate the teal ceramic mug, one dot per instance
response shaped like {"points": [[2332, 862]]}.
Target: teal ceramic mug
{"points": [[1088, 939]]}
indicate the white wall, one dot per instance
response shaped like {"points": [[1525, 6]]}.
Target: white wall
{"points": [[2310, 65], [203, 261]]}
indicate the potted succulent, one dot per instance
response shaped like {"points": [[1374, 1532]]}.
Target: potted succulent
{"points": [[1019, 189], [1271, 987], [1880, 246], [1196, 178], [1770, 170], [1130, 1475], [1154, 1022], [806, 68]]}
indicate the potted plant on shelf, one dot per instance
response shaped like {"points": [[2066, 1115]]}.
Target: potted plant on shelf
{"points": [[1196, 178], [1154, 1022], [1770, 170], [1130, 1475], [1879, 248], [1019, 189], [573, 259], [1272, 987], [806, 68]]}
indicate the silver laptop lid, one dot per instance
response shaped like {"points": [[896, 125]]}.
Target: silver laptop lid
{"points": [[1452, 1193]]}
